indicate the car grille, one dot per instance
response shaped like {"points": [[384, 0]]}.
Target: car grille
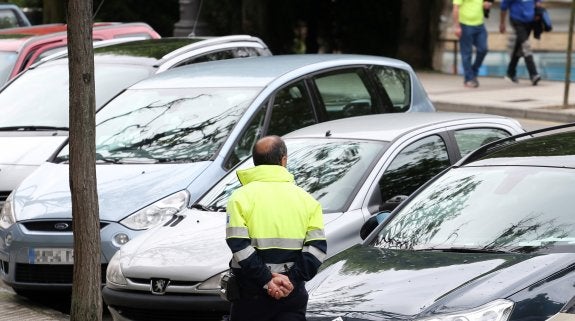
{"points": [[48, 273], [172, 282], [166, 315], [53, 226]]}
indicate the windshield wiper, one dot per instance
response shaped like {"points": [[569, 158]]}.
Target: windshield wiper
{"points": [[205, 208], [32, 128], [456, 249], [103, 159]]}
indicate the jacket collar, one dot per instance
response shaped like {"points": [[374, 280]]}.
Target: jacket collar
{"points": [[265, 173]]}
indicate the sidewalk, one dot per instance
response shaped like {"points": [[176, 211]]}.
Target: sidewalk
{"points": [[500, 97], [16, 308]]}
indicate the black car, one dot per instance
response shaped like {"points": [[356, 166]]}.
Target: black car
{"points": [[491, 238]]}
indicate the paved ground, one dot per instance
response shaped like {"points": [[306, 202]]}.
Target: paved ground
{"points": [[500, 97], [539, 105], [16, 308]]}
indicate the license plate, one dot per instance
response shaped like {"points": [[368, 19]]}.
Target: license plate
{"points": [[51, 256]]}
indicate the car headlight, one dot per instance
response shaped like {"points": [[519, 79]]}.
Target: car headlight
{"points": [[7, 217], [157, 212], [498, 310], [213, 283], [114, 275]]}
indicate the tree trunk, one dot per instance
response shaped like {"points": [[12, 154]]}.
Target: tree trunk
{"points": [[419, 31], [86, 293], [53, 11]]}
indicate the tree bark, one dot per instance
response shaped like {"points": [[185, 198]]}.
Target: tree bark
{"points": [[86, 293]]}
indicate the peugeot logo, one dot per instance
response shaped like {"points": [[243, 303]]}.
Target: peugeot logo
{"points": [[61, 226], [159, 286]]}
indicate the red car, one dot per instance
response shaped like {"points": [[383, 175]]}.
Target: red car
{"points": [[21, 47]]}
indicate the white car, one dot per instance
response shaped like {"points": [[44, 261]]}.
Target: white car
{"points": [[34, 106], [355, 167]]}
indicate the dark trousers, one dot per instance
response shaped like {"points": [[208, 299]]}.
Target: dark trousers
{"points": [[521, 48], [262, 307]]}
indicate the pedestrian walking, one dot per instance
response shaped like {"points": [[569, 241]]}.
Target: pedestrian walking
{"points": [[522, 19], [275, 231], [469, 28]]}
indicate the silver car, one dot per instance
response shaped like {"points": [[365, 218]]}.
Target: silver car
{"points": [[356, 168], [34, 106], [164, 141]]}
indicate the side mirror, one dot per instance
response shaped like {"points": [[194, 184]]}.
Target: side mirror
{"points": [[372, 223]]}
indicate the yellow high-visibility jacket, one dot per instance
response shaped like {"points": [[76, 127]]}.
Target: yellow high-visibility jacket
{"points": [[273, 226]]}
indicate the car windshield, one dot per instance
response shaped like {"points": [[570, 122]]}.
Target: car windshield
{"points": [[329, 169], [39, 97], [168, 125], [507, 208], [7, 61]]}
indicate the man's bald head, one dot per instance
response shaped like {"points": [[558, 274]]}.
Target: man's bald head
{"points": [[270, 150]]}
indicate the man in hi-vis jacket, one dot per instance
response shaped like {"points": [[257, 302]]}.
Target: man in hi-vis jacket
{"points": [[276, 233]]}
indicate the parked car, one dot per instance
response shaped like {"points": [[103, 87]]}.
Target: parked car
{"points": [[21, 47], [492, 238], [34, 127], [12, 16], [354, 167], [164, 141]]}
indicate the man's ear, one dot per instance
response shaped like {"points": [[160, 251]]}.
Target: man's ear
{"points": [[284, 161]]}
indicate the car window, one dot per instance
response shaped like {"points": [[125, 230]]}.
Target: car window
{"points": [[240, 52], [397, 84], [515, 208], [411, 168], [329, 169], [7, 61], [243, 148], [168, 125], [344, 94], [472, 138], [48, 106], [291, 110], [8, 19]]}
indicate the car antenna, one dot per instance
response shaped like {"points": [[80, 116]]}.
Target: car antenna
{"points": [[328, 133]]}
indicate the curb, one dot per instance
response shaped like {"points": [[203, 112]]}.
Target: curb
{"points": [[558, 114]]}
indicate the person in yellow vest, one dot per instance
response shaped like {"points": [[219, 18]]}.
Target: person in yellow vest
{"points": [[275, 231], [468, 26]]}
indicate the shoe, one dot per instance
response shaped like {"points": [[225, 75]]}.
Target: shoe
{"points": [[471, 83], [535, 79], [512, 79]]}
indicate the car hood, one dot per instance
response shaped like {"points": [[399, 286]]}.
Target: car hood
{"points": [[366, 283], [192, 248], [122, 189], [28, 150]]}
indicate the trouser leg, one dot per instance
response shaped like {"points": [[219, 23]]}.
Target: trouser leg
{"points": [[466, 49], [480, 43]]}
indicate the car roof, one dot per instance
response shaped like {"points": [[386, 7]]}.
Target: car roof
{"points": [[151, 52], [551, 149], [13, 39], [255, 71], [388, 127]]}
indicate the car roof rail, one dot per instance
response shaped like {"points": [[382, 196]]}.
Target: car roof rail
{"points": [[208, 41], [498, 144], [96, 44]]}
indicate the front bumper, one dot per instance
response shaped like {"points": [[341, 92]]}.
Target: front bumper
{"points": [[142, 306], [18, 269]]}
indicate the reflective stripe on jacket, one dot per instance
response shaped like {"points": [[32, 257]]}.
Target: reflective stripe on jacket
{"points": [[274, 226]]}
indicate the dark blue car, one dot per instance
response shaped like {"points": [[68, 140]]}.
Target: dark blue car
{"points": [[492, 238]]}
